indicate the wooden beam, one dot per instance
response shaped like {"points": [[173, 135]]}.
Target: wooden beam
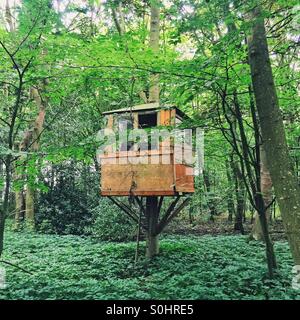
{"points": [[168, 217], [161, 199], [131, 214], [140, 204], [125, 208], [130, 210], [118, 193], [177, 210], [169, 211]]}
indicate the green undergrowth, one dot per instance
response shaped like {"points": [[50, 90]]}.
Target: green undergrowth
{"points": [[71, 267]]}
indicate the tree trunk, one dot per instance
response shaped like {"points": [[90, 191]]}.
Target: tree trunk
{"points": [[118, 18], [152, 211], [266, 189], [210, 201], [8, 161], [270, 254], [29, 211], [240, 197], [30, 141], [9, 18], [19, 209], [154, 45], [37, 130], [5, 206], [240, 208], [230, 202], [286, 187], [152, 215]]}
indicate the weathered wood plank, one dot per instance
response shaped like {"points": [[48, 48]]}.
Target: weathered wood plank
{"points": [[137, 177]]}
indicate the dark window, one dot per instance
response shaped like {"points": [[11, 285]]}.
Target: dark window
{"points": [[147, 120]]}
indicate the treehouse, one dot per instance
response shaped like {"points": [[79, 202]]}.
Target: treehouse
{"points": [[147, 166]]}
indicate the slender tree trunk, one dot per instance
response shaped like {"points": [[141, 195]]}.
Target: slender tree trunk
{"points": [[154, 45], [238, 224], [8, 159], [19, 209], [191, 217], [252, 214], [8, 17], [20, 194], [5, 206], [152, 212], [230, 202], [30, 141], [30, 214], [210, 201], [266, 189], [255, 178], [118, 18], [271, 259], [240, 197], [286, 187], [36, 131]]}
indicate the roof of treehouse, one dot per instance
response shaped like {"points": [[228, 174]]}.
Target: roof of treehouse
{"points": [[147, 107]]}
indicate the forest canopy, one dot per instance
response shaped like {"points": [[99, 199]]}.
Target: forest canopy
{"points": [[232, 67]]}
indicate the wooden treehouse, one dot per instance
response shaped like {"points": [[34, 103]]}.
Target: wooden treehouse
{"points": [[146, 171]]}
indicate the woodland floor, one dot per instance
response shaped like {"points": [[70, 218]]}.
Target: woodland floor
{"points": [[193, 267], [221, 227]]}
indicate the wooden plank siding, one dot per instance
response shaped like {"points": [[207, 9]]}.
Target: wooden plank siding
{"points": [[145, 175], [167, 117], [148, 172]]}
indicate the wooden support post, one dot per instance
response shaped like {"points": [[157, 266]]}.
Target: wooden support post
{"points": [[125, 209], [171, 213], [152, 216], [153, 226]]}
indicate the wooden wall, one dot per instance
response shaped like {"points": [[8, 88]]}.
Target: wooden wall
{"points": [[147, 174], [149, 177]]}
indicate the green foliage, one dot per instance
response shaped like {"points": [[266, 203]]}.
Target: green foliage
{"points": [[66, 215], [65, 208], [70, 267], [71, 206], [109, 223], [84, 67]]}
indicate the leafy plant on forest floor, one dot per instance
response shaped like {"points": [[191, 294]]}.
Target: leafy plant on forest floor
{"points": [[71, 267]]}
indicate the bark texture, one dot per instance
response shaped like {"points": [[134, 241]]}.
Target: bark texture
{"points": [[30, 142], [266, 189], [152, 215], [154, 45], [286, 187]]}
